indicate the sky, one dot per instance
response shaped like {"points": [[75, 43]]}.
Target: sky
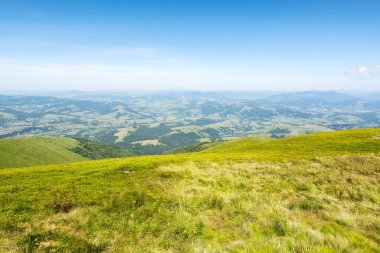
{"points": [[190, 44]]}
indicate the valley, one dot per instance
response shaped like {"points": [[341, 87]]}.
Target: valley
{"points": [[155, 122]]}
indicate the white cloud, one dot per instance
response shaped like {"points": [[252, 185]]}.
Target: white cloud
{"points": [[367, 71], [363, 70]]}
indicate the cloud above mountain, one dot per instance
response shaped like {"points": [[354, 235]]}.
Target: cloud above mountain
{"points": [[367, 71]]}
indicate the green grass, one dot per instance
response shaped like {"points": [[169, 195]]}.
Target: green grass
{"points": [[304, 146], [19, 152], [32, 151], [313, 193]]}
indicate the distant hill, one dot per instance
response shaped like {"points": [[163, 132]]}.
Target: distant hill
{"points": [[373, 101], [31, 151], [157, 123], [373, 97], [310, 98], [195, 147]]}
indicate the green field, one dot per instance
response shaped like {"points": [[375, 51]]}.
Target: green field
{"points": [[17, 152], [33, 151], [311, 193], [364, 141]]}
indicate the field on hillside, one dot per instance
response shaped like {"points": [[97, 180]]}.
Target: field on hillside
{"points": [[312, 193], [16, 152], [33, 151]]}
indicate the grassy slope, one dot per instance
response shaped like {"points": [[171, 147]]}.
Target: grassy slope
{"points": [[304, 146], [17, 152], [313, 193]]}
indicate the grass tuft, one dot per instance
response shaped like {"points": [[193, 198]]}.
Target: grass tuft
{"points": [[63, 199], [281, 227]]}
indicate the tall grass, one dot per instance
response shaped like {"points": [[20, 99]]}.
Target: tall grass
{"points": [[203, 207], [202, 202]]}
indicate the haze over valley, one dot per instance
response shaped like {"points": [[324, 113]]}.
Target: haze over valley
{"points": [[200, 126], [155, 122]]}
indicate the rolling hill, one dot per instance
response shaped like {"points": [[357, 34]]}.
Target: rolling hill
{"points": [[310, 193], [32, 151], [21, 152], [163, 122]]}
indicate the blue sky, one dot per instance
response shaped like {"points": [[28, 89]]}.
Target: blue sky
{"points": [[190, 44]]}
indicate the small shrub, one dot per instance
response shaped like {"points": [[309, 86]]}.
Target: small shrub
{"points": [[212, 202], [136, 199], [310, 204], [333, 228], [350, 193], [170, 175], [63, 200], [129, 200], [281, 227], [302, 187], [188, 229], [56, 242], [8, 224]]}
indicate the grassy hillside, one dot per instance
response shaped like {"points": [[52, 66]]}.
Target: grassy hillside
{"points": [[313, 193], [17, 152], [303, 146], [32, 151]]}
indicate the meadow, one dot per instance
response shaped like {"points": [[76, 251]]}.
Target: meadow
{"points": [[17, 152], [43, 150], [310, 193]]}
